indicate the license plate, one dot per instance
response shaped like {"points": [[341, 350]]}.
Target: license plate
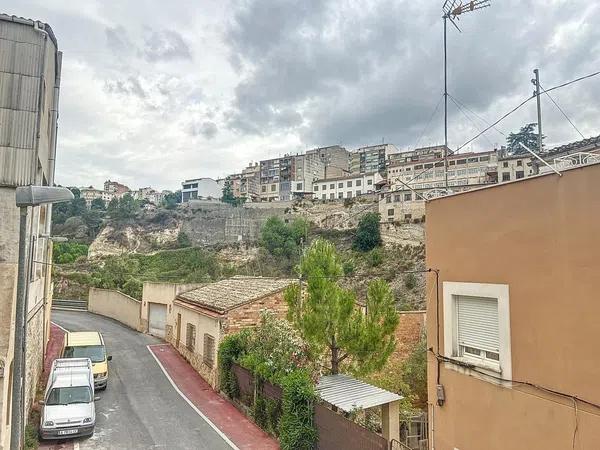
{"points": [[63, 432]]}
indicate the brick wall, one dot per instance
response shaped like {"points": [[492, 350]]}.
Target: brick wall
{"points": [[409, 331], [249, 315]]}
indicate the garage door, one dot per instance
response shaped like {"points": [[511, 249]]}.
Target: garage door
{"points": [[157, 319]]}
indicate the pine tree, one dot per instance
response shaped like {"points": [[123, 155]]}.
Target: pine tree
{"points": [[329, 319], [527, 136]]}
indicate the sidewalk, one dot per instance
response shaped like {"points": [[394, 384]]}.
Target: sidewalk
{"points": [[231, 422], [53, 349]]}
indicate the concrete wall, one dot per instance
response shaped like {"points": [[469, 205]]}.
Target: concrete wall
{"points": [[540, 237], [116, 305], [204, 323]]}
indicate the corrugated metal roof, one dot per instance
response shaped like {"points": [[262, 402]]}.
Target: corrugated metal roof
{"points": [[228, 294], [348, 393]]}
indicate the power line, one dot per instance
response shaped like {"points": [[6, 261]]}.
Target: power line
{"points": [[563, 113], [475, 114], [572, 81], [429, 122], [469, 119]]}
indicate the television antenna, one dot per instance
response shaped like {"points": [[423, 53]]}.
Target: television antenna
{"points": [[453, 10]]}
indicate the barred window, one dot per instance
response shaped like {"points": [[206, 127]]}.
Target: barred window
{"points": [[209, 350], [190, 337]]}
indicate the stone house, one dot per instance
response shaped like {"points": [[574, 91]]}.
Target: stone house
{"points": [[202, 317]]}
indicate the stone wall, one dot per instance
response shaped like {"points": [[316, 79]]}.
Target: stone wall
{"points": [[34, 354], [249, 315]]}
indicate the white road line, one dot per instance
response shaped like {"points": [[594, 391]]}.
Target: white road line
{"points": [[213, 426], [62, 328]]}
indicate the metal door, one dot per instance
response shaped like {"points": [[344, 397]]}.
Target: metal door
{"points": [[157, 319]]}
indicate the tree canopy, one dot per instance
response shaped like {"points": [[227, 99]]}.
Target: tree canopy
{"points": [[282, 239], [228, 196], [368, 235], [171, 199], [328, 318], [527, 136]]}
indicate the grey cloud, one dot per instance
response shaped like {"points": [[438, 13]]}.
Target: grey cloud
{"points": [[128, 86], [358, 72], [164, 44], [207, 129]]}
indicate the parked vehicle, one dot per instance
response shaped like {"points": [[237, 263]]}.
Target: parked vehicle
{"points": [[68, 408], [89, 344]]}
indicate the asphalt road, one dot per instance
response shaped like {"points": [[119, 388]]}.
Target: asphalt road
{"points": [[140, 409]]}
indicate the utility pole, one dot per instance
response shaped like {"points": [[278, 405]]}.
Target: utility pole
{"points": [[536, 83]]}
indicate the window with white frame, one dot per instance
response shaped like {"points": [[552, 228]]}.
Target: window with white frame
{"points": [[477, 325]]}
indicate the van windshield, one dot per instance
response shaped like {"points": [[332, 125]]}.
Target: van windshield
{"points": [[69, 395], [95, 352]]}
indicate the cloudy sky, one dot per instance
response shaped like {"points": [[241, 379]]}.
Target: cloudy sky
{"points": [[154, 92]]}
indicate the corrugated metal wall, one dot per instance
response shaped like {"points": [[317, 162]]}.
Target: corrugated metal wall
{"points": [[21, 50]]}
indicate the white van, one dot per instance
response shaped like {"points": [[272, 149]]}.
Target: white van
{"points": [[68, 406]]}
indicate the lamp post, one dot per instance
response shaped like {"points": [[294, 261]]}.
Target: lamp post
{"points": [[26, 196]]}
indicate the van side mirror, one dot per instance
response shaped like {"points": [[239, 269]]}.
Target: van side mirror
{"points": [[96, 398], [109, 358]]}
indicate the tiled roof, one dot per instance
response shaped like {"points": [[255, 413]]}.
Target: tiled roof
{"points": [[224, 295], [593, 141]]}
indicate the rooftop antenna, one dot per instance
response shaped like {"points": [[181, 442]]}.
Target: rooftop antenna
{"points": [[452, 10]]}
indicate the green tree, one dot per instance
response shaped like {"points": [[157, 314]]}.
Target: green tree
{"points": [[171, 199], [228, 196], [527, 136], [327, 316], [93, 220], [283, 239], [113, 207], [368, 235], [98, 204]]}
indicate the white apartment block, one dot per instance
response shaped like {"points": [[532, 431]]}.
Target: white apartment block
{"points": [[346, 187], [197, 188], [514, 167], [90, 193]]}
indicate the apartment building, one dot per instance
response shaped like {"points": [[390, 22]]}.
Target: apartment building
{"points": [[335, 158], [371, 158], [514, 167], [200, 188], [350, 186], [90, 194], [418, 154], [30, 66], [290, 176], [250, 182], [513, 314], [115, 188], [148, 194]]}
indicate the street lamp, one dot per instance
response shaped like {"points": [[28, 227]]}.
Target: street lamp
{"points": [[26, 196]]}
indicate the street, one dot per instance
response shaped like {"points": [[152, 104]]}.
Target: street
{"points": [[140, 409]]}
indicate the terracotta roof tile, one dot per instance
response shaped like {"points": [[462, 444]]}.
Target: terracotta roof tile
{"points": [[224, 295]]}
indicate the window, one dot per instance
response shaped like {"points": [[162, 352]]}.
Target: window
{"points": [[461, 172], [505, 164], [341, 195], [208, 355], [332, 186], [323, 187], [273, 187], [420, 166], [484, 158], [505, 176], [407, 216], [461, 161], [519, 174], [477, 325], [369, 182], [349, 194], [407, 197], [397, 198], [451, 163], [263, 188], [520, 162], [190, 337], [473, 170], [388, 199], [332, 196], [299, 186], [428, 166], [340, 185], [472, 160], [391, 212], [358, 183], [349, 184], [324, 197], [358, 192], [316, 187]]}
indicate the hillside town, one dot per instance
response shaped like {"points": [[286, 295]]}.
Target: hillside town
{"points": [[350, 296]]}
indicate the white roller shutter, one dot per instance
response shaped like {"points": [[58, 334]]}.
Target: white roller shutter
{"points": [[477, 319], [157, 319]]}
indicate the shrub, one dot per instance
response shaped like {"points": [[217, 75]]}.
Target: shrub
{"points": [[368, 235], [230, 349], [283, 239], [297, 430], [410, 281], [183, 240], [375, 257], [133, 287], [348, 267], [68, 252]]}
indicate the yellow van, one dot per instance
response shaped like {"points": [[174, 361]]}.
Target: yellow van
{"points": [[89, 344]]}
